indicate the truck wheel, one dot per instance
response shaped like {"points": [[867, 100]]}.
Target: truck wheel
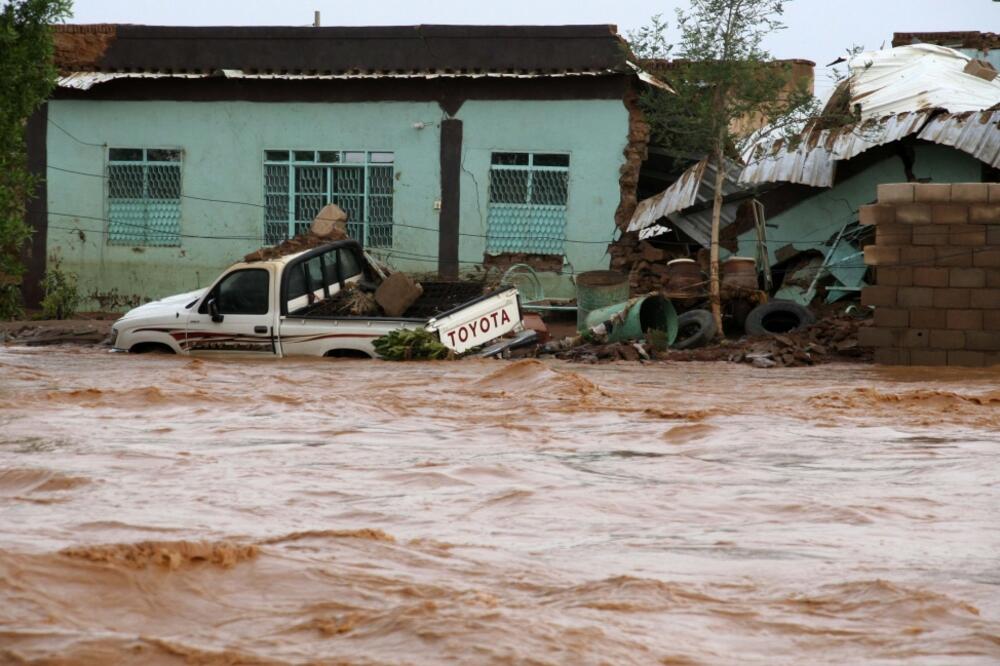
{"points": [[777, 317], [150, 348], [695, 328]]}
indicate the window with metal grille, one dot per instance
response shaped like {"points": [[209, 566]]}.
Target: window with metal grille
{"points": [[527, 206], [298, 183], [144, 196]]}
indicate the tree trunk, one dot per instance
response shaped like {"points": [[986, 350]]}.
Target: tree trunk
{"points": [[714, 296]]}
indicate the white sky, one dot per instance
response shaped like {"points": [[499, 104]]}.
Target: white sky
{"points": [[818, 30]]}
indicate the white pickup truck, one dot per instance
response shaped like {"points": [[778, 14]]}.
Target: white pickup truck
{"points": [[263, 309]]}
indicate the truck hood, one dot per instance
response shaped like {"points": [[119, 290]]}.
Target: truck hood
{"points": [[165, 306]]}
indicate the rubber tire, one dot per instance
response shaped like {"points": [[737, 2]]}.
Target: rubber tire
{"points": [[705, 330], [783, 316]]}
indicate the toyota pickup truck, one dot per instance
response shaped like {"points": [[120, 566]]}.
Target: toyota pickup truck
{"points": [[269, 309]]}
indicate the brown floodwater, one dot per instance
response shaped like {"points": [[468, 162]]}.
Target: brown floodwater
{"points": [[164, 510]]}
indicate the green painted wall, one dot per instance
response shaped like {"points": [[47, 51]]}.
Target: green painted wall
{"points": [[594, 133], [224, 142]]}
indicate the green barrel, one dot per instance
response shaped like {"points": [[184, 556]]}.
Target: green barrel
{"points": [[596, 290], [643, 314]]}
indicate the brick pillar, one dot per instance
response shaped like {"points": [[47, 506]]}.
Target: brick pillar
{"points": [[937, 274]]}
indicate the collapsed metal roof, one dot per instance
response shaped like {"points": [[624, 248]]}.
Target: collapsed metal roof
{"points": [[975, 132], [812, 158], [695, 186], [915, 78]]}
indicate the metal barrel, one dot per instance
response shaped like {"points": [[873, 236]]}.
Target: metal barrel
{"points": [[598, 289], [638, 315]]}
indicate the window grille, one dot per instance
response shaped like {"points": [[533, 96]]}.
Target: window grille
{"points": [[298, 183], [144, 196], [527, 204]]}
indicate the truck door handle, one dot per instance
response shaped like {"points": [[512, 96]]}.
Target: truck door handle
{"points": [[260, 329]]}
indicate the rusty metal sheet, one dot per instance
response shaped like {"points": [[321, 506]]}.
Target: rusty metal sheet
{"points": [[976, 133], [695, 186], [812, 159]]}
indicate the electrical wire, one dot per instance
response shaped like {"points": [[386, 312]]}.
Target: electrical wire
{"points": [[403, 225]]}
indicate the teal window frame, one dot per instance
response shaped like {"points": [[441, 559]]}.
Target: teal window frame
{"points": [[516, 221], [144, 219], [372, 200]]}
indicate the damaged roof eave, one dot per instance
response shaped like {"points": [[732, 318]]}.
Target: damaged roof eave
{"points": [[695, 188], [649, 79], [87, 80]]}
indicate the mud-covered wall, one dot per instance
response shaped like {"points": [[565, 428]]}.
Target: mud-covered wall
{"points": [[626, 251], [937, 273]]}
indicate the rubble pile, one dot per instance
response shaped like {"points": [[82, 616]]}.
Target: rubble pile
{"points": [[645, 264], [829, 339], [329, 225], [606, 353], [305, 241], [833, 338]]}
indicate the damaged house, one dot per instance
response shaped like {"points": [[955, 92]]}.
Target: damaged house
{"points": [[921, 113], [168, 152]]}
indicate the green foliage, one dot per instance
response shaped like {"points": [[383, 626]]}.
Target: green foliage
{"points": [[411, 345], [27, 75], [650, 41], [62, 296], [722, 76]]}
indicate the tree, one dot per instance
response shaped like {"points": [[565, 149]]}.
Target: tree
{"points": [[27, 76], [722, 76]]}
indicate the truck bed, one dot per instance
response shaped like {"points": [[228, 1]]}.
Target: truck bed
{"points": [[438, 298]]}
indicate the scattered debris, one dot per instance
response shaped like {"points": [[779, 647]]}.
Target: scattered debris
{"points": [[352, 301], [833, 338], [329, 225], [397, 293], [60, 332]]}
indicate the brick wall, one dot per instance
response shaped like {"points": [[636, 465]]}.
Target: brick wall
{"points": [[937, 274]]}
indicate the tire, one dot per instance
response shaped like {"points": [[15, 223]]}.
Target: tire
{"points": [[695, 328], [777, 317]]}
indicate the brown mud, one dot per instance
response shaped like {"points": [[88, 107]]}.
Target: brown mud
{"points": [[166, 510]]}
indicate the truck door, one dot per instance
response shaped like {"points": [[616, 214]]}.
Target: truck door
{"points": [[235, 316]]}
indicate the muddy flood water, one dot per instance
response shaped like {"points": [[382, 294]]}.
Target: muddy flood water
{"points": [[164, 510]]}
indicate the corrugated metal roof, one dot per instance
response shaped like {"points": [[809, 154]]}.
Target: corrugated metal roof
{"points": [[976, 133], [695, 186], [915, 78], [812, 160]]}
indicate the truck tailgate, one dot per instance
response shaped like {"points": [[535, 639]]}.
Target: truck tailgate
{"points": [[478, 321]]}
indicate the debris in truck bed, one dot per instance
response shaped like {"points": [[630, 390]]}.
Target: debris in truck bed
{"points": [[397, 293], [440, 296], [352, 301]]}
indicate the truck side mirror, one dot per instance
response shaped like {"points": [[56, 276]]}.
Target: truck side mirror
{"points": [[213, 309]]}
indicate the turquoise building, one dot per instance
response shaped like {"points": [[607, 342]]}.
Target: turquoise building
{"points": [[170, 152]]}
